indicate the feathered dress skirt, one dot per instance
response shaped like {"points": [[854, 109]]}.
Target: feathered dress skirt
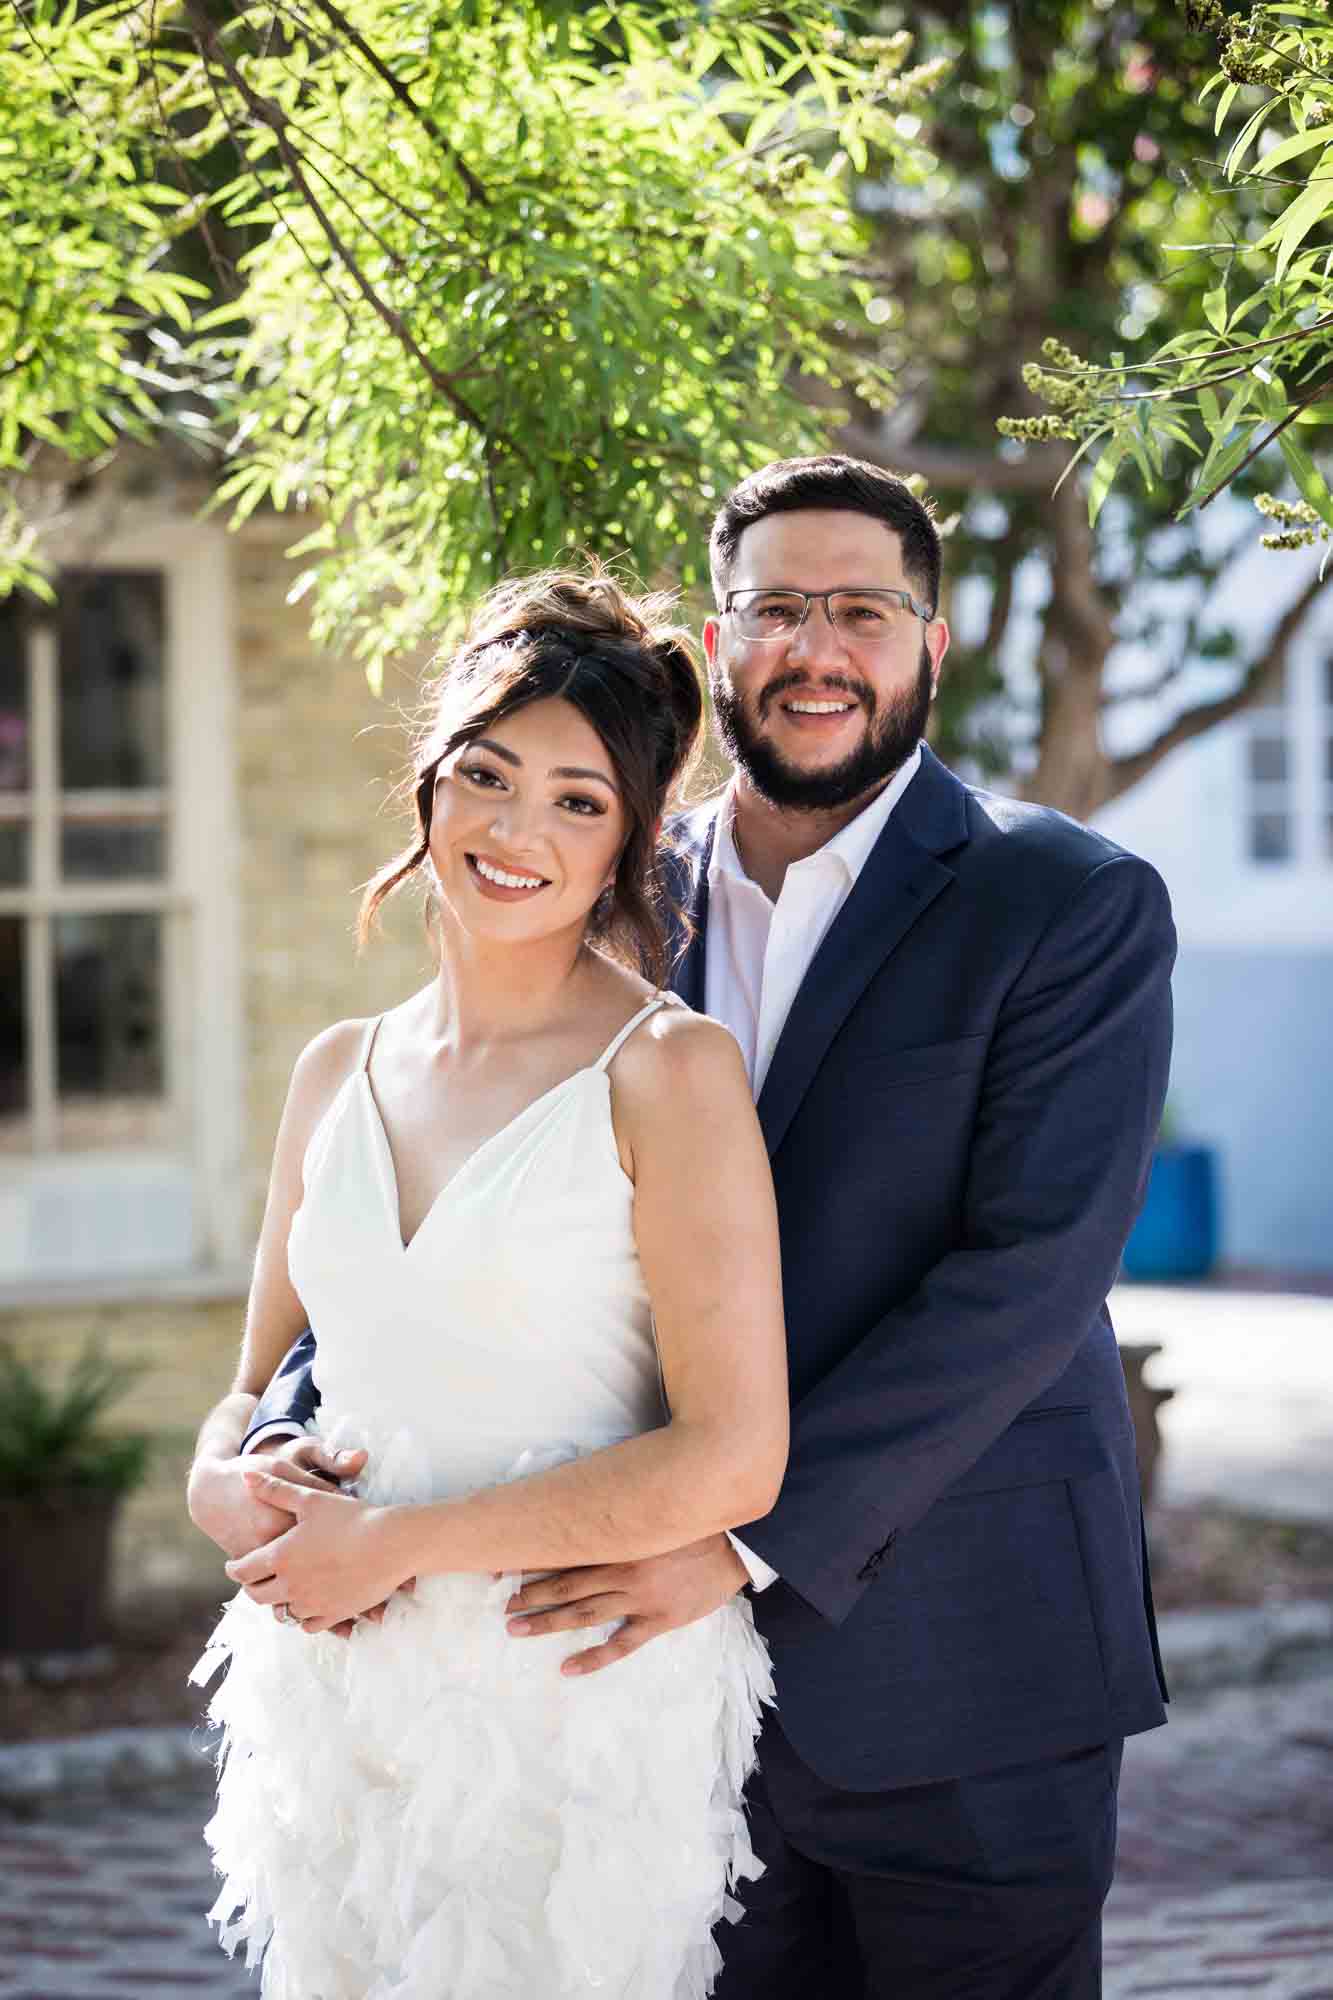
{"points": [[430, 1810]]}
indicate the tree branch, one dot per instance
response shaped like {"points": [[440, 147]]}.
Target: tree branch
{"points": [[1001, 602], [268, 114], [1125, 772], [475, 191], [1076, 599], [949, 465]]}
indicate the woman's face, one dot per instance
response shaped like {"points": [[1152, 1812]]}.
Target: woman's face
{"points": [[527, 825]]}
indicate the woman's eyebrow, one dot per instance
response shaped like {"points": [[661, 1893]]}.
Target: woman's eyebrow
{"points": [[496, 749], [556, 771], [580, 771]]}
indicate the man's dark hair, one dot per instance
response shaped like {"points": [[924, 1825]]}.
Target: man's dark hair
{"points": [[835, 483]]}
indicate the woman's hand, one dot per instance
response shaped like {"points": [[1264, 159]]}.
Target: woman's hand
{"points": [[230, 1513], [340, 1558]]}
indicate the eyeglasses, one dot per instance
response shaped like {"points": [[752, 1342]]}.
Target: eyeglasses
{"points": [[860, 617]]}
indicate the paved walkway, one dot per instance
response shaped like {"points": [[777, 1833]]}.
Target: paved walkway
{"points": [[1225, 1876], [1251, 1422], [1225, 1882]]}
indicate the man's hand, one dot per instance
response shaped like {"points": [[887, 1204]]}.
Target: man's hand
{"points": [[234, 1516], [652, 1597]]}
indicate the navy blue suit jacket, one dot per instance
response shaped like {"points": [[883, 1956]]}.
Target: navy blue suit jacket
{"points": [[960, 1113]]}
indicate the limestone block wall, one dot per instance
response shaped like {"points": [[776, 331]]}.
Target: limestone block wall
{"points": [[315, 755]]}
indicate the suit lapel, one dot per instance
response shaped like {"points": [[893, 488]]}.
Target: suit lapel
{"points": [[688, 878], [901, 879]]}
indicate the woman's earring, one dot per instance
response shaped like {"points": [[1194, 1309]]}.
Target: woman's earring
{"points": [[605, 904]]}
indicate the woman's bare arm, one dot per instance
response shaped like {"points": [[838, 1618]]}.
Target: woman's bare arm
{"points": [[219, 1500]]}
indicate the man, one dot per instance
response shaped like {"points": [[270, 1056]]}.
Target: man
{"points": [[956, 1012]]}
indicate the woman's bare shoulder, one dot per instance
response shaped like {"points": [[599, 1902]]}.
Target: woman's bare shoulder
{"points": [[678, 1056], [320, 1071]]}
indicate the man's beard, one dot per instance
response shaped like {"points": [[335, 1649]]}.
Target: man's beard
{"points": [[889, 741]]}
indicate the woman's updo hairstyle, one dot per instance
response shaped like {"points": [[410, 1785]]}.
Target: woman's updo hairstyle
{"points": [[575, 636]]}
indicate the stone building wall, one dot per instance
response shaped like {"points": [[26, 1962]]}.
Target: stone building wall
{"points": [[315, 755]]}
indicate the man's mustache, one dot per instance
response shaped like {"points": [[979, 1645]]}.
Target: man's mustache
{"points": [[828, 684]]}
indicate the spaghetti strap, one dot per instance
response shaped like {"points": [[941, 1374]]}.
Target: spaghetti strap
{"points": [[368, 1042], [658, 1000]]}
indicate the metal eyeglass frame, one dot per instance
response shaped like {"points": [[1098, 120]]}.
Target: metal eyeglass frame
{"points": [[809, 597]]}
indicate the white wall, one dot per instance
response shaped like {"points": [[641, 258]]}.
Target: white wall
{"points": [[1253, 1068]]}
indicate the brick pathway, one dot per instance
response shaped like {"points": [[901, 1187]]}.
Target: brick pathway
{"points": [[1225, 1876], [110, 1900], [1225, 1883]]}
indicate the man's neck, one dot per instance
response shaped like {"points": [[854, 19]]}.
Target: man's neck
{"points": [[770, 838]]}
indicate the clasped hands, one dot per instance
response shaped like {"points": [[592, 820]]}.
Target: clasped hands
{"points": [[342, 1559]]}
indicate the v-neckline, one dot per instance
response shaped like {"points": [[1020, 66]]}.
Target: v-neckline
{"points": [[392, 1191]]}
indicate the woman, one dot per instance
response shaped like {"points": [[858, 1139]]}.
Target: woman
{"points": [[487, 1202]]}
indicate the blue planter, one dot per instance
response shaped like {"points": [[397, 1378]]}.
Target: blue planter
{"points": [[1176, 1233]]}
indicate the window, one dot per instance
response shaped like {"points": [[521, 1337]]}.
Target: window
{"points": [[85, 835], [118, 1084], [1288, 767], [1270, 807]]}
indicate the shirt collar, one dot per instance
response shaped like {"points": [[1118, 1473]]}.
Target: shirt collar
{"points": [[851, 847]]}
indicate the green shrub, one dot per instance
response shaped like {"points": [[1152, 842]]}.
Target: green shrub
{"points": [[49, 1435]]}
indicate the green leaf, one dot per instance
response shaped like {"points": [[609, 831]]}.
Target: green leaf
{"points": [[1249, 131], [1104, 475], [1137, 449], [1309, 480], [1295, 224], [1291, 149], [1215, 307], [1086, 446], [1222, 467], [1224, 104], [1270, 394]]}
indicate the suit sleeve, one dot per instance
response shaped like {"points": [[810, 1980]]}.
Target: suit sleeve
{"points": [[1071, 1099], [291, 1398]]}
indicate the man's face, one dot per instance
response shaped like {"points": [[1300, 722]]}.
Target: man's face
{"points": [[870, 695]]}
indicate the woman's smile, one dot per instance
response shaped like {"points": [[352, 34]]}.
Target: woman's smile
{"points": [[504, 884]]}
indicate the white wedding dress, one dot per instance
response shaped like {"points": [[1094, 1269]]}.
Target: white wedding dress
{"points": [[430, 1810]]}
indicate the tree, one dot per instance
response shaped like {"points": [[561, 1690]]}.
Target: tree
{"points": [[516, 275], [1260, 373], [1062, 144], [85, 237]]}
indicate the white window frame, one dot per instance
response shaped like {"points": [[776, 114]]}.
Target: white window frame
{"points": [[1303, 716], [1263, 796], [198, 1173]]}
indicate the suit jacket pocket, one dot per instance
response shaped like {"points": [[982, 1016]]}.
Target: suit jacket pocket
{"points": [[1043, 1446], [928, 1063]]}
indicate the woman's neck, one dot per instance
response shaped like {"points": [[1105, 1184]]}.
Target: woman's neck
{"points": [[484, 995]]}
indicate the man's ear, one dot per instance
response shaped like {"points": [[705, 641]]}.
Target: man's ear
{"points": [[712, 632], [937, 641]]}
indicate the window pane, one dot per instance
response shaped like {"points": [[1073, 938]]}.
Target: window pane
{"points": [[112, 715], [13, 853], [1268, 759], [13, 700], [104, 850], [13, 1038], [110, 1064], [1270, 837]]}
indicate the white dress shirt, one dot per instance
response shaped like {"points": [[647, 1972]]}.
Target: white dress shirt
{"points": [[756, 953]]}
